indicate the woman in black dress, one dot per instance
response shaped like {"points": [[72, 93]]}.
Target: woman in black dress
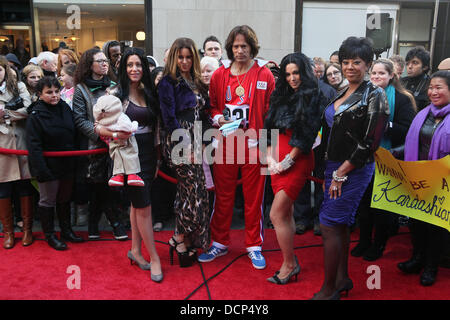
{"points": [[140, 104]]}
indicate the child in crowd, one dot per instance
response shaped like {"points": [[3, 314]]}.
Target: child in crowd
{"points": [[67, 73], [124, 153]]}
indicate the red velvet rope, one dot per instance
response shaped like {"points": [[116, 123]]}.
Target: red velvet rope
{"points": [[78, 153], [56, 153]]}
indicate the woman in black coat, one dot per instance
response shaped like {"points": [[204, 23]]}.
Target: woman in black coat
{"points": [[93, 172], [402, 108], [50, 127]]}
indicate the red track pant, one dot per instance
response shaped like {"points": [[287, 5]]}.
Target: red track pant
{"points": [[225, 179]]}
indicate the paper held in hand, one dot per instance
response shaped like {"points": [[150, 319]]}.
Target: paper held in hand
{"points": [[231, 127]]}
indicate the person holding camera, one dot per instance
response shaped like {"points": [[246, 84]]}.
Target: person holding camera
{"points": [[14, 176]]}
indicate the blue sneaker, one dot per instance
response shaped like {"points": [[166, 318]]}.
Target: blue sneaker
{"points": [[258, 260], [211, 254]]}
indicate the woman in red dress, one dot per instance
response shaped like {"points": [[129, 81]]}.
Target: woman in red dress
{"points": [[295, 110]]}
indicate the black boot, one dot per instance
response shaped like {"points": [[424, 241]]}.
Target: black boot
{"points": [[48, 226], [67, 234], [366, 221], [417, 261], [119, 231], [413, 265], [382, 222], [360, 249], [95, 214], [428, 276], [374, 252]]}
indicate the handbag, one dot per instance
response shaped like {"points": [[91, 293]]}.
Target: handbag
{"points": [[14, 104]]}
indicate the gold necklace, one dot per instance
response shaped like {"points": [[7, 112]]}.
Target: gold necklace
{"points": [[240, 91]]}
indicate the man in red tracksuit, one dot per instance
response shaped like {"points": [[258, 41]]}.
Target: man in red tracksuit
{"points": [[242, 88]]}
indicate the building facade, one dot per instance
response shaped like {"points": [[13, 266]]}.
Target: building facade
{"points": [[315, 27]]}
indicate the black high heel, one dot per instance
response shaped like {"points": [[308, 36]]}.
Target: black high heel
{"points": [[294, 273], [185, 258], [334, 296], [346, 287]]}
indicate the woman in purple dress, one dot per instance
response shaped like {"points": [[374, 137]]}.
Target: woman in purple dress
{"points": [[354, 124]]}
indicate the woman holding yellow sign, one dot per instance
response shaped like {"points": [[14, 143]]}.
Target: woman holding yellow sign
{"points": [[428, 139]]}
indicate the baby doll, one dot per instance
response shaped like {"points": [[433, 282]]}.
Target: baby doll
{"points": [[108, 112]]}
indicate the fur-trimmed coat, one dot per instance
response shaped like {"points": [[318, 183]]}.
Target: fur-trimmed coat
{"points": [[300, 111]]}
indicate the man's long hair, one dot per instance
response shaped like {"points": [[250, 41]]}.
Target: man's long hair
{"points": [[250, 37]]}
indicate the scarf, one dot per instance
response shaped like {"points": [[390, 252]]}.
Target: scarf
{"points": [[3, 87], [439, 147], [49, 73], [103, 83], [390, 94]]}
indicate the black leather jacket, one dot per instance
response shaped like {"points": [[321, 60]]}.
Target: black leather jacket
{"points": [[358, 126]]}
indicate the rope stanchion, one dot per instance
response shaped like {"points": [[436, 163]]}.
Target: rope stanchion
{"points": [[75, 153], [167, 177], [175, 181]]}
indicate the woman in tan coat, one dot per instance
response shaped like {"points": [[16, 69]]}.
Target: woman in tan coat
{"points": [[14, 173]]}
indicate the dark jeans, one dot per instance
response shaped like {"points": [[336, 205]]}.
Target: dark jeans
{"points": [[80, 193], [103, 200], [16, 190], [370, 219], [22, 188], [163, 196], [428, 241], [305, 211]]}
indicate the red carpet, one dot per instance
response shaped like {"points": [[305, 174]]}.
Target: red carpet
{"points": [[39, 272]]}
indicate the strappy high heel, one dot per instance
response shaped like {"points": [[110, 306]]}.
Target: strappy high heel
{"points": [[294, 273], [185, 258]]}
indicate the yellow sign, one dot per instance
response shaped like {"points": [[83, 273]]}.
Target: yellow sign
{"points": [[418, 189]]}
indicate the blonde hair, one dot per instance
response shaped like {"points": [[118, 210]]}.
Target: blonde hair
{"points": [[395, 81], [171, 67], [29, 69], [69, 53], [319, 60], [399, 60], [209, 61]]}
